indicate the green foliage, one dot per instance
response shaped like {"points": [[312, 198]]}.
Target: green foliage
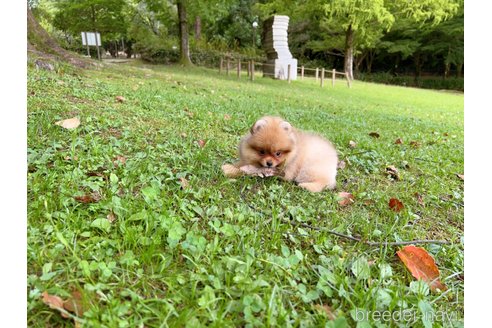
{"points": [[104, 16], [395, 36], [439, 83]]}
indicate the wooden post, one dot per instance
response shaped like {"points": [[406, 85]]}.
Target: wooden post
{"points": [[317, 73], [322, 76], [302, 72], [252, 70], [239, 68], [348, 79], [87, 44], [333, 72], [288, 73], [228, 64], [221, 65], [97, 44]]}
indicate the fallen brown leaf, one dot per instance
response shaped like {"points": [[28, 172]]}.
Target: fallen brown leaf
{"points": [[345, 198], [111, 217], [119, 160], [421, 265], [70, 123], [415, 144], [352, 144], [420, 198], [399, 141], [54, 302], [326, 309], [202, 143], [184, 183], [461, 176], [395, 205], [74, 304], [88, 198], [374, 134], [120, 99], [227, 117], [187, 112], [393, 172]]}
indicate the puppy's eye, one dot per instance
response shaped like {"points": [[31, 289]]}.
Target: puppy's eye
{"points": [[278, 154], [262, 152]]}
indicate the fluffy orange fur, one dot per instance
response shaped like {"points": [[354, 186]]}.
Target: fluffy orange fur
{"points": [[274, 147]]}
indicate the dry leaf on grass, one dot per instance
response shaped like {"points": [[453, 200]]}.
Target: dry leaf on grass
{"points": [[374, 134], [352, 144], [119, 160], [399, 141], [74, 304], [395, 205], [54, 302], [461, 176], [184, 183], [393, 172], [345, 198], [326, 309], [111, 217], [420, 198], [70, 123], [415, 144], [88, 198], [421, 265], [227, 117], [201, 143], [120, 99], [187, 112]]}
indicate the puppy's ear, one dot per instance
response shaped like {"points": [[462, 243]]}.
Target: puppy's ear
{"points": [[258, 126], [286, 126]]}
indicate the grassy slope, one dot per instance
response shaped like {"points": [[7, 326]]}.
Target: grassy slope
{"points": [[221, 252]]}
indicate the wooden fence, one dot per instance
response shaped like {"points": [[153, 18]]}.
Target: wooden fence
{"points": [[229, 66]]}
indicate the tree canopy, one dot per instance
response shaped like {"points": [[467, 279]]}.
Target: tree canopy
{"points": [[352, 35]]}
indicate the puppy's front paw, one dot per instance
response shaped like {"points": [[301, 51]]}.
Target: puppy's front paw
{"points": [[268, 171], [262, 172]]}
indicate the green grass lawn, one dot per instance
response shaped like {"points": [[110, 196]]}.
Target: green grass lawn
{"points": [[169, 241]]}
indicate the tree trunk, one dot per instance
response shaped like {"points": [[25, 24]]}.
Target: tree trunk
{"points": [[447, 65], [184, 48], [459, 68], [447, 70], [349, 52], [418, 66], [358, 62], [369, 61], [198, 28]]}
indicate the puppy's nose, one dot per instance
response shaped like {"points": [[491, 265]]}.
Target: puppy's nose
{"points": [[269, 163]]}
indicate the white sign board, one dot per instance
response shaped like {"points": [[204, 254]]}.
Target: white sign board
{"points": [[89, 38]]}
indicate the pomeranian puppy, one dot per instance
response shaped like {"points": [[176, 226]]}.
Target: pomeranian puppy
{"points": [[273, 147]]}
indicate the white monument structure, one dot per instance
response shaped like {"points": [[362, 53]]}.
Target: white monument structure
{"points": [[275, 43]]}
